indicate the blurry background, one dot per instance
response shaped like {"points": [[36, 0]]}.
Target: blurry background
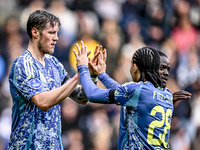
{"points": [[121, 26]]}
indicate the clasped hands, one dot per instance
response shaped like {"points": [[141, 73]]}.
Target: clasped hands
{"points": [[97, 64]]}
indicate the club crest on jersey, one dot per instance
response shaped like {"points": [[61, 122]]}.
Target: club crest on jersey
{"points": [[35, 83]]}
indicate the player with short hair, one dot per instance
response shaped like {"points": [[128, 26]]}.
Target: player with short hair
{"points": [[164, 73], [146, 105], [38, 84]]}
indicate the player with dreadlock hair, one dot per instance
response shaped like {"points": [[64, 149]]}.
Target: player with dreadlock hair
{"points": [[148, 62], [146, 106]]}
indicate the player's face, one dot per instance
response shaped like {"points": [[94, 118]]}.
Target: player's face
{"points": [[48, 39], [164, 69]]}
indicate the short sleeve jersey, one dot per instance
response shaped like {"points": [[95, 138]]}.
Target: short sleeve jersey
{"points": [[145, 118], [33, 128]]}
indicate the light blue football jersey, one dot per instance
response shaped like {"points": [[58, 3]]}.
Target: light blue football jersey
{"points": [[145, 117], [33, 128], [146, 111]]}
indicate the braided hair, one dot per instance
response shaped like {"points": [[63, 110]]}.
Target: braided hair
{"points": [[148, 62]]}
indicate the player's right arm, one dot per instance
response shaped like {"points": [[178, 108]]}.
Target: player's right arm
{"points": [[46, 100], [25, 80]]}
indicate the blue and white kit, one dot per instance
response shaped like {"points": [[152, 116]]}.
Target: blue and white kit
{"points": [[146, 111], [33, 128]]}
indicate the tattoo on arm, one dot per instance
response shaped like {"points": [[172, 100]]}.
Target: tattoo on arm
{"points": [[78, 93]]}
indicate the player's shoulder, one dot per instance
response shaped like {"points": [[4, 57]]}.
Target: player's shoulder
{"points": [[51, 58], [167, 90], [129, 87], [53, 61], [164, 91], [133, 83], [24, 57]]}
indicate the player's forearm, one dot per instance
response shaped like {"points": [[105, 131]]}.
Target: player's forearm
{"points": [[108, 81], [68, 88], [93, 93], [46, 100]]}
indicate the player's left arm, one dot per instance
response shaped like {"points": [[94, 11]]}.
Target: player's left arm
{"points": [[93, 93], [181, 95], [78, 94]]}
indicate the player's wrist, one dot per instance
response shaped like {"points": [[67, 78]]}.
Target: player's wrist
{"points": [[95, 79]]}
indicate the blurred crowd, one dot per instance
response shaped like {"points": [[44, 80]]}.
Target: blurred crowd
{"points": [[121, 26]]}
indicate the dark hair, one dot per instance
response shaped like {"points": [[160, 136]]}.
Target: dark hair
{"points": [[162, 54], [148, 62], [39, 20]]}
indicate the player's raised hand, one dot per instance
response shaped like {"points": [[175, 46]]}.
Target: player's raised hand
{"points": [[181, 95], [81, 57], [97, 52], [94, 60], [104, 52], [98, 64]]}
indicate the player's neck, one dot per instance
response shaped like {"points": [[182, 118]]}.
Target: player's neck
{"points": [[36, 53]]}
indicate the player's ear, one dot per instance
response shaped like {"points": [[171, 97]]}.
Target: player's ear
{"points": [[135, 67], [35, 32]]}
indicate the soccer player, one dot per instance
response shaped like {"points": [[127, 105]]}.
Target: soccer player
{"points": [[164, 73], [38, 84], [146, 105]]}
